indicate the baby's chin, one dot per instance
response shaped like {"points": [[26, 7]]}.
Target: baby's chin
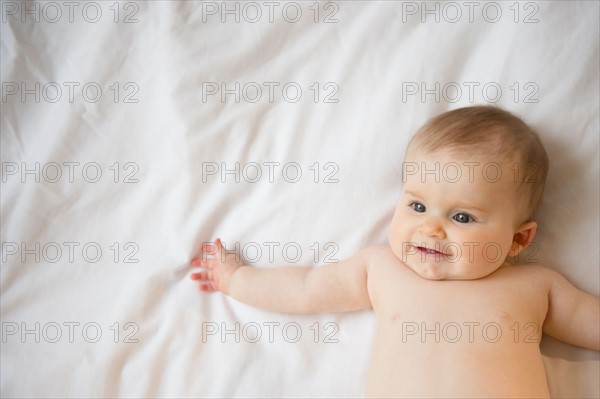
{"points": [[441, 273], [430, 274]]}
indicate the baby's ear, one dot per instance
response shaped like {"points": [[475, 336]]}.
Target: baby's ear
{"points": [[522, 238]]}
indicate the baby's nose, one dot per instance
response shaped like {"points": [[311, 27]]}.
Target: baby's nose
{"points": [[432, 228]]}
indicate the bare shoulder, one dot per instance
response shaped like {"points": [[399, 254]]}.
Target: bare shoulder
{"points": [[532, 270], [553, 279], [378, 254], [384, 267], [534, 274]]}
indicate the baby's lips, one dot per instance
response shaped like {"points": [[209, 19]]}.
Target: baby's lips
{"points": [[435, 251]]}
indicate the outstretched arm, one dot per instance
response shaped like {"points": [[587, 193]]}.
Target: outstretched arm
{"points": [[336, 287], [573, 316]]}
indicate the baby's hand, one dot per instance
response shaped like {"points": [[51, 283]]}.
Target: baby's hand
{"points": [[216, 267]]}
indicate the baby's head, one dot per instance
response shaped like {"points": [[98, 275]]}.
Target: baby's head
{"points": [[496, 135], [473, 178]]}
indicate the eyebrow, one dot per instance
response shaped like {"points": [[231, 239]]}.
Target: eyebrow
{"points": [[464, 205], [412, 193]]}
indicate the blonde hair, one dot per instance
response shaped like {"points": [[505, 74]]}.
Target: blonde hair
{"points": [[495, 132]]}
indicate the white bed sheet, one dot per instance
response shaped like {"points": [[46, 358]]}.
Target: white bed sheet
{"points": [[126, 321]]}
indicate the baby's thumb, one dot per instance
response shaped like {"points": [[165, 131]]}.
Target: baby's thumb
{"points": [[219, 245], [220, 249]]}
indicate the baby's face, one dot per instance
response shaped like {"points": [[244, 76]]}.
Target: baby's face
{"points": [[456, 217]]}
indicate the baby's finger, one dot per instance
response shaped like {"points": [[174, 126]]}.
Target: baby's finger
{"points": [[210, 250], [199, 262], [207, 287], [204, 275], [196, 276], [221, 251], [196, 262]]}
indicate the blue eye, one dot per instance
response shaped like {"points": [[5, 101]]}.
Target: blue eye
{"points": [[417, 207], [462, 218]]}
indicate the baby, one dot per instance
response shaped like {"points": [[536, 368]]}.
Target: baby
{"points": [[455, 318]]}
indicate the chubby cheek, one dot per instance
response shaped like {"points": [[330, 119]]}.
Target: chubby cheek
{"points": [[397, 236], [485, 250]]}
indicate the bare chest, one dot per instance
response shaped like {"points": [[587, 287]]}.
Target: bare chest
{"points": [[503, 307], [457, 338]]}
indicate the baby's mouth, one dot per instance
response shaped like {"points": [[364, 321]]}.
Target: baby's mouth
{"points": [[428, 251]]}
